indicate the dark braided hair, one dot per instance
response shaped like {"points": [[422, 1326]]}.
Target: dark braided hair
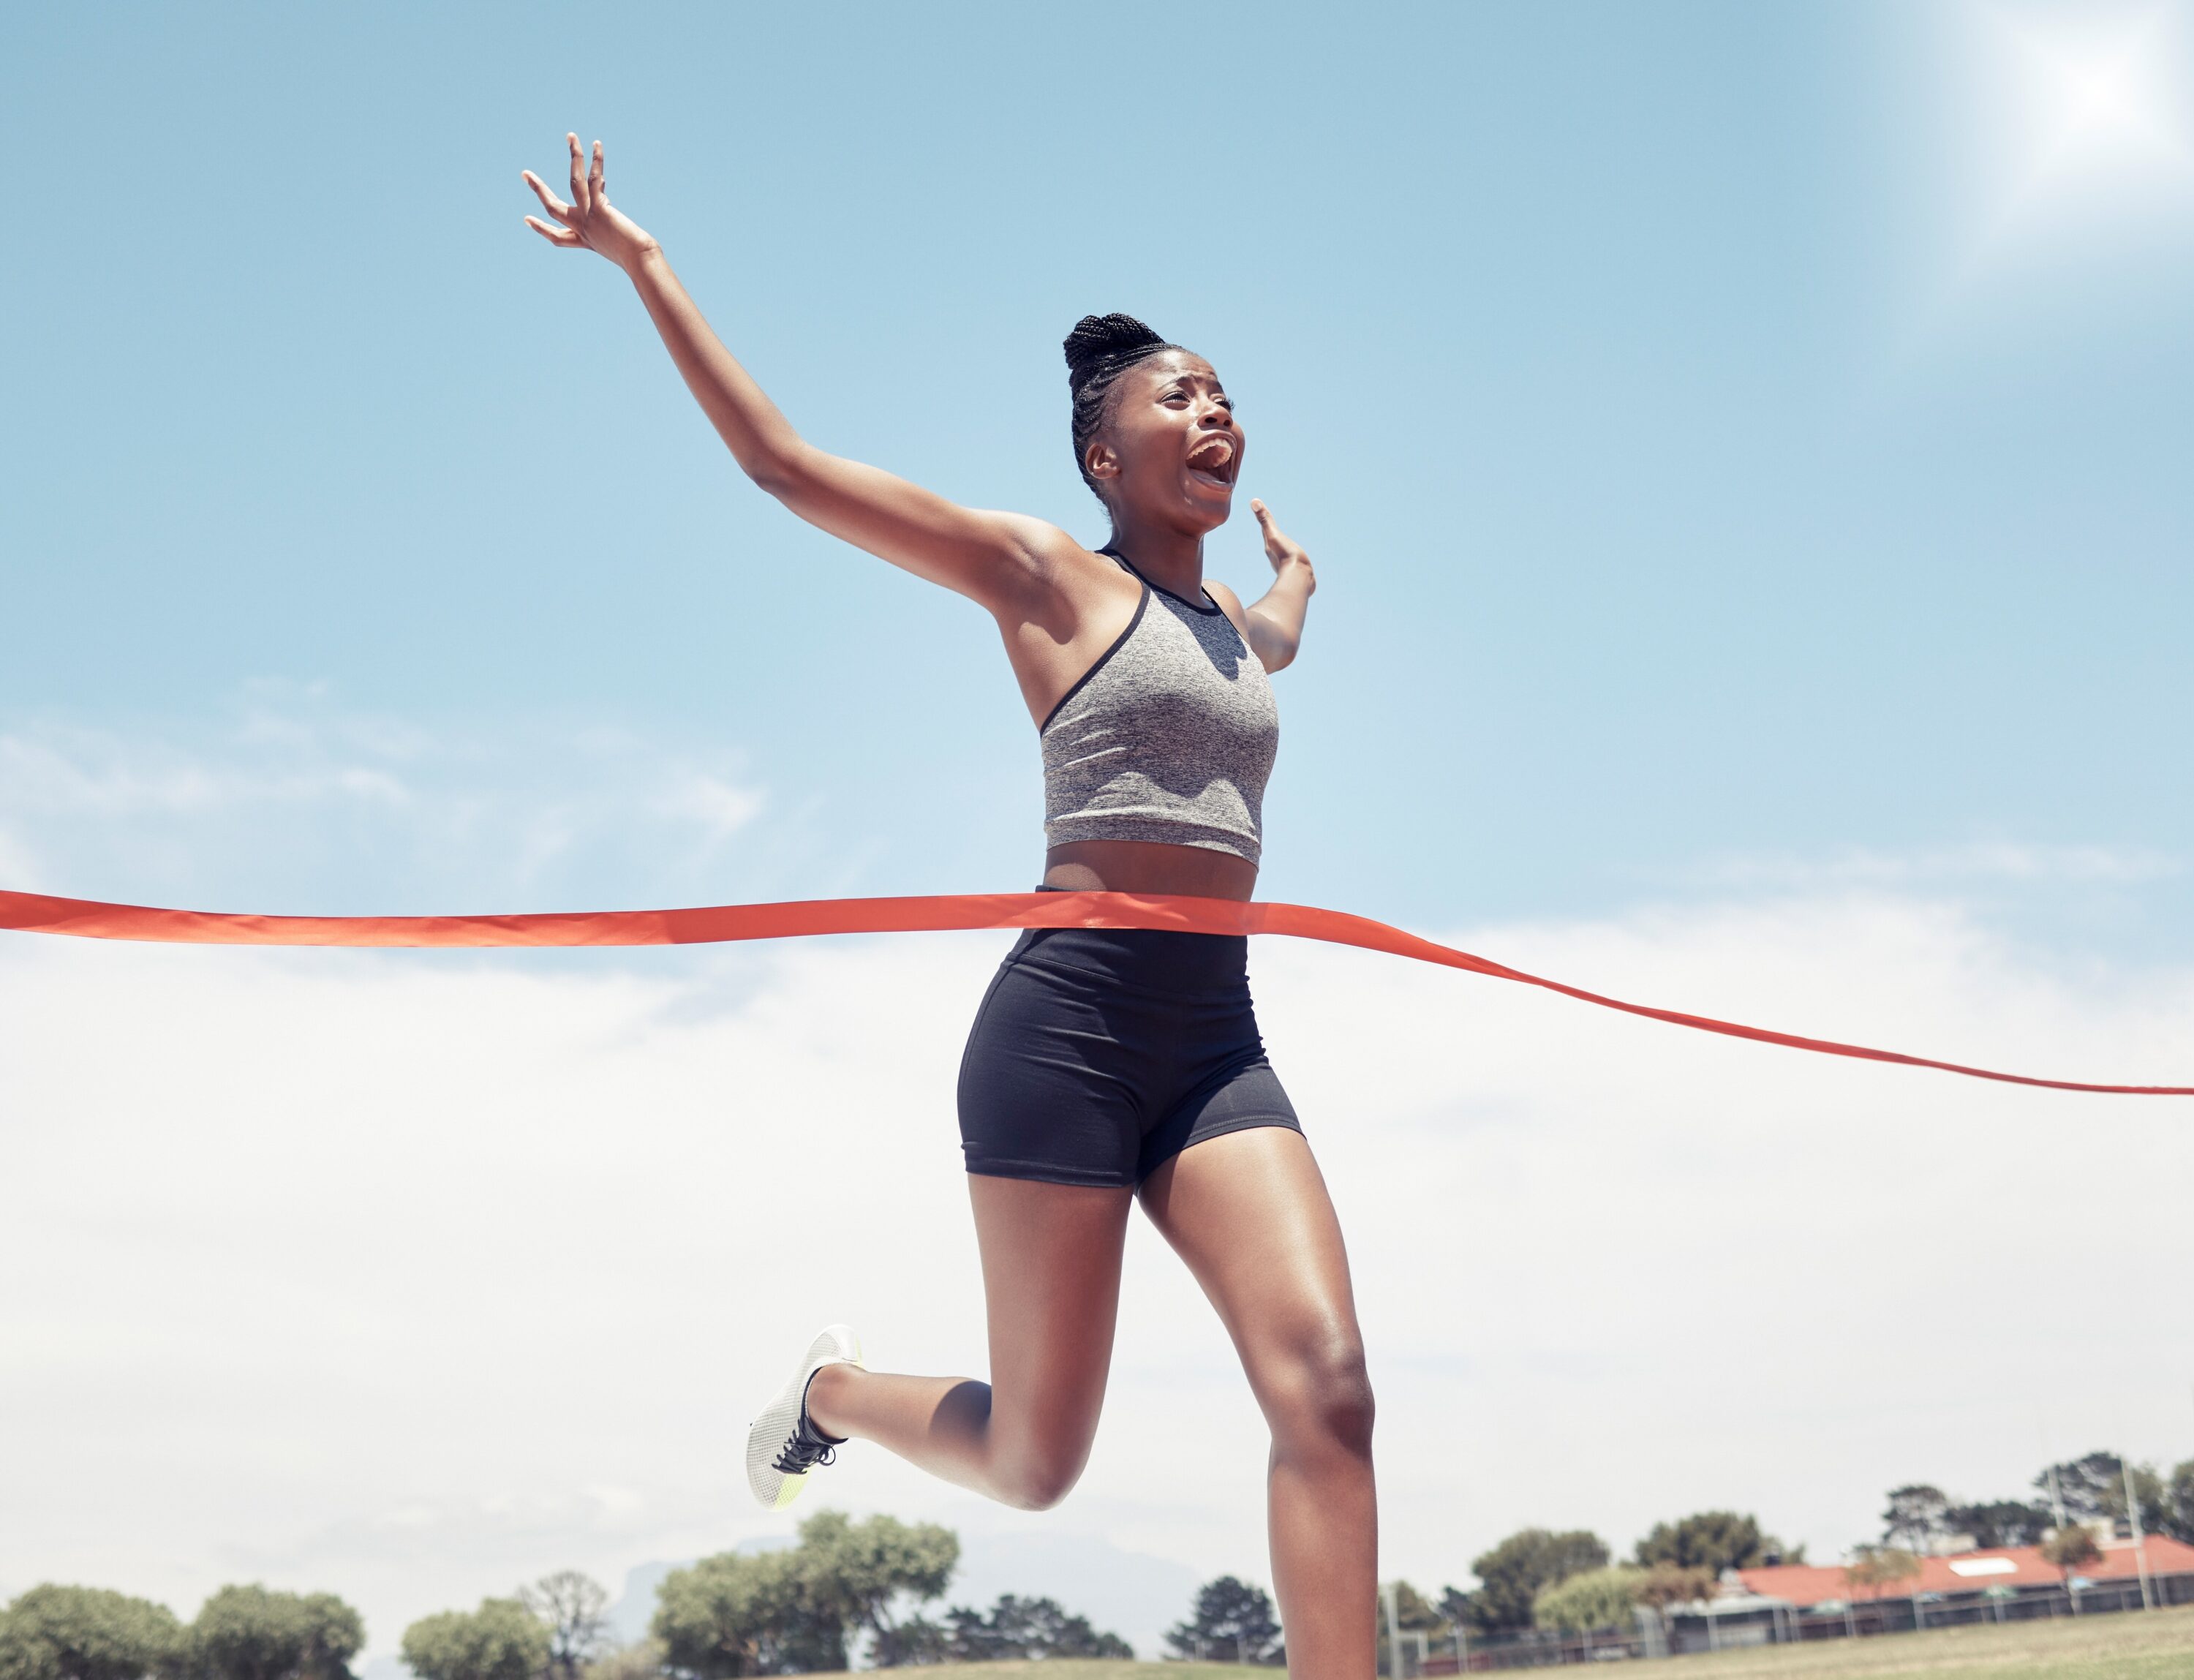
{"points": [[1100, 349]]}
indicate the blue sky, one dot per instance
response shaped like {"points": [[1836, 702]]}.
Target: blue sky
{"points": [[1744, 452], [1686, 505]]}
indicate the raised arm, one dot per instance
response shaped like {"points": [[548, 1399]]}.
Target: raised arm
{"points": [[994, 558], [1276, 619]]}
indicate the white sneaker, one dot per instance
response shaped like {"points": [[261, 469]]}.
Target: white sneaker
{"points": [[784, 1444]]}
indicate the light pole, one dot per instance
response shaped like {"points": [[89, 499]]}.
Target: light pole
{"points": [[2057, 1501], [2140, 1540]]}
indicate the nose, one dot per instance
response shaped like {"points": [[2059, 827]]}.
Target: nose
{"points": [[1216, 416]]}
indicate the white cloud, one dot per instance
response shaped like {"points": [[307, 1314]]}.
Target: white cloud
{"points": [[412, 1277], [82, 772], [721, 809], [293, 789]]}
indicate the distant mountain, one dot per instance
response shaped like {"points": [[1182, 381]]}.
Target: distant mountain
{"points": [[1130, 1593], [635, 1605]]}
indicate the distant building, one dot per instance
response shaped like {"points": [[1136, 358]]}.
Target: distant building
{"points": [[1787, 1603], [1737, 1615], [2001, 1583]]}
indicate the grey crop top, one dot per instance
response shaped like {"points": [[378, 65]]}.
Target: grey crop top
{"points": [[1169, 737]]}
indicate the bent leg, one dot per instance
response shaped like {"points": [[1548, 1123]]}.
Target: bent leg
{"points": [[1249, 1213], [1051, 1279]]}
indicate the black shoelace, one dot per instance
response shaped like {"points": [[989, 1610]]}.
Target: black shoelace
{"points": [[806, 1450]]}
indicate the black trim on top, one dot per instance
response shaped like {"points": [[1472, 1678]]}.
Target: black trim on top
{"points": [[1193, 607], [1105, 658]]}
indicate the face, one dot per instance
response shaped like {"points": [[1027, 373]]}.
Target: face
{"points": [[1171, 450]]}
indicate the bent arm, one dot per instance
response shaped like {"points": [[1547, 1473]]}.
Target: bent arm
{"points": [[994, 558], [1276, 617]]}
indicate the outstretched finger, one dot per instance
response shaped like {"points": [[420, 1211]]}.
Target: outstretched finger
{"points": [[555, 236], [1266, 522], [580, 200], [595, 187], [550, 201]]}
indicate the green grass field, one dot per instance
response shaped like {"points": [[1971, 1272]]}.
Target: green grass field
{"points": [[2132, 1645], [2158, 1645]]}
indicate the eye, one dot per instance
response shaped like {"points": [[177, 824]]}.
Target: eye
{"points": [[1175, 398]]}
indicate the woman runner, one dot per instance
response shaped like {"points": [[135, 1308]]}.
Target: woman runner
{"points": [[1105, 1067]]}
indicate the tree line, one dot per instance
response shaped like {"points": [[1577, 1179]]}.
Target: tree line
{"points": [[240, 1633], [1570, 1581], [844, 1588], [803, 1608], [2099, 1493], [1534, 1579], [1538, 1578], [2091, 1490], [848, 1588]]}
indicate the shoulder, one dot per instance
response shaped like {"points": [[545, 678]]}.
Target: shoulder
{"points": [[1055, 582], [1056, 565], [1229, 603], [1050, 556], [1036, 544], [1045, 560]]}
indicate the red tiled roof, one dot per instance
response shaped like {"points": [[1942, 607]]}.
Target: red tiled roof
{"points": [[1806, 1583]]}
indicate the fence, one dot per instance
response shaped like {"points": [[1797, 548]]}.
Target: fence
{"points": [[1487, 1654]]}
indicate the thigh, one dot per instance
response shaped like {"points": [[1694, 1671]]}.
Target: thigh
{"points": [[1249, 1215], [1241, 1092], [1051, 1279], [1047, 1089]]}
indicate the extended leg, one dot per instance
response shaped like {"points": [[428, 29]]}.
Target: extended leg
{"points": [[1248, 1213], [1051, 1279]]}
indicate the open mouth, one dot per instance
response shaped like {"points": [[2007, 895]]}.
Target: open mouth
{"points": [[1214, 460]]}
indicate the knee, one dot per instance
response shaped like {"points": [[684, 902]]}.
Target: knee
{"points": [[1324, 1400], [1039, 1480]]}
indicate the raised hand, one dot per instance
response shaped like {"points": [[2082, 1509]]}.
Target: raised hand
{"points": [[590, 220], [1276, 622], [1282, 550]]}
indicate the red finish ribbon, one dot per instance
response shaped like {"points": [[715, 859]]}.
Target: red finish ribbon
{"points": [[33, 912]]}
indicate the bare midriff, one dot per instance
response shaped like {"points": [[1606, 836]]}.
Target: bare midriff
{"points": [[1149, 867]]}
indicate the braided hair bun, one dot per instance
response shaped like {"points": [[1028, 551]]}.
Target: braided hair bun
{"points": [[1100, 349], [1098, 339]]}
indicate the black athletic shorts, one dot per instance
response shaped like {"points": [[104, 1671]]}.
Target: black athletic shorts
{"points": [[1100, 1054]]}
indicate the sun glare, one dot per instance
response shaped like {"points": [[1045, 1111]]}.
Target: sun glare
{"points": [[2065, 129], [2095, 104], [2099, 99]]}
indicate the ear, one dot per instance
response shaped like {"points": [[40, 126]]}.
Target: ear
{"points": [[1101, 459]]}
